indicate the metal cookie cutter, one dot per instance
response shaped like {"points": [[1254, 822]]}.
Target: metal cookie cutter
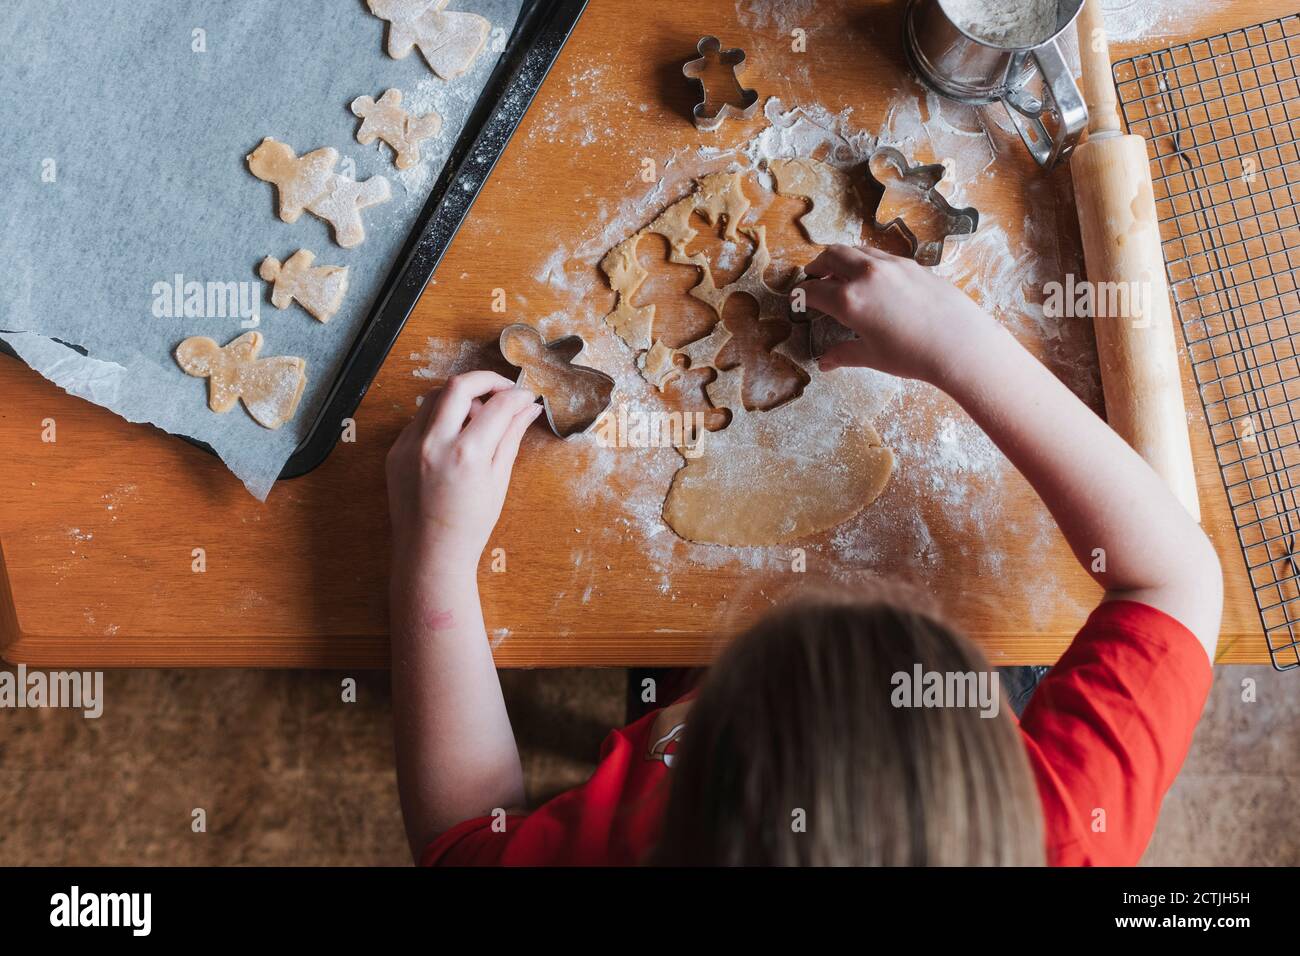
{"points": [[740, 103], [520, 343], [924, 180]]}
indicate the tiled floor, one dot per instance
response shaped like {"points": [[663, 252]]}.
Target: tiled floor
{"points": [[288, 773]]}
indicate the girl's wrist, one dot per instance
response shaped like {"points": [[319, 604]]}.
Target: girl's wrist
{"points": [[426, 558], [976, 350]]}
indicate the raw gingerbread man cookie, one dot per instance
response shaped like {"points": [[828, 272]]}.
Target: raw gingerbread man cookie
{"points": [[309, 182], [319, 290], [385, 119], [448, 40], [269, 388]]}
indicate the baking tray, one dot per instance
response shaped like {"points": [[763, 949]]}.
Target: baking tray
{"points": [[540, 32]]}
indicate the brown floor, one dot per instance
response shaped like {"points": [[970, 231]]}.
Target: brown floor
{"points": [[287, 773]]}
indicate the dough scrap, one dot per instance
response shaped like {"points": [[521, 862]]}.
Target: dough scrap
{"points": [[270, 388], [770, 475], [449, 41], [309, 182], [385, 119], [657, 365], [833, 216], [756, 482], [319, 290], [574, 395]]}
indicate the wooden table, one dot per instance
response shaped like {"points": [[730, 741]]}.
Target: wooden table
{"points": [[98, 528]]}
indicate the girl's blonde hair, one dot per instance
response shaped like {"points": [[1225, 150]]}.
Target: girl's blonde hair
{"points": [[793, 753]]}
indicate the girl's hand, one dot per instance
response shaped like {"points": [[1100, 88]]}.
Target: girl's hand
{"points": [[450, 467], [909, 321]]}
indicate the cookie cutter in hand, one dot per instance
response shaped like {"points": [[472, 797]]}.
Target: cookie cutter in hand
{"points": [[957, 223], [575, 345], [694, 70]]}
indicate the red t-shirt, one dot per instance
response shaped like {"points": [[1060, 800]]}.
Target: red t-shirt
{"points": [[1106, 733]]}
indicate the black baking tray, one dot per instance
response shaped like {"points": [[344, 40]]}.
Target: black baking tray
{"points": [[540, 33]]}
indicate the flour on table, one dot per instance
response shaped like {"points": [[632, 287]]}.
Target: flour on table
{"points": [[945, 501]]}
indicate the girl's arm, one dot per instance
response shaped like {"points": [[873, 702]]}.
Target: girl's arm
{"points": [[447, 478], [1105, 498]]}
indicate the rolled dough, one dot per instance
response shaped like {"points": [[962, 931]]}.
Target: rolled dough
{"points": [[769, 476]]}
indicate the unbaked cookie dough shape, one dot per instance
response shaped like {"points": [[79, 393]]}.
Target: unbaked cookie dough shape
{"points": [[385, 119], [448, 40], [319, 289], [835, 213], [770, 476], [309, 182], [270, 388]]}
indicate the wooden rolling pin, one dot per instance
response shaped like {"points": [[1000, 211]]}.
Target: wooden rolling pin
{"points": [[1121, 244]]}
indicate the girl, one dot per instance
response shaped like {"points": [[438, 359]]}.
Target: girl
{"points": [[798, 748]]}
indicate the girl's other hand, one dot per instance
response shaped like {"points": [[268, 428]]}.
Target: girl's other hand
{"points": [[450, 467], [910, 322]]}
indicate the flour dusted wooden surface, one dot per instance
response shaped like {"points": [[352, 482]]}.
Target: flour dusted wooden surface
{"points": [[99, 528]]}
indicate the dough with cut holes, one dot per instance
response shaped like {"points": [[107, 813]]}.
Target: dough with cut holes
{"points": [[773, 474]]}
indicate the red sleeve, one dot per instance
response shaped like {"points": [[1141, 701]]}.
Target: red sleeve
{"points": [[611, 820], [1108, 729]]}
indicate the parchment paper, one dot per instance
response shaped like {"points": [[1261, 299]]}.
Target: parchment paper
{"points": [[125, 127]]}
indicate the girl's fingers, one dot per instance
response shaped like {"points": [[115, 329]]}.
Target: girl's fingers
{"points": [[843, 262], [455, 401], [484, 433], [845, 355], [508, 448], [420, 420], [823, 295]]}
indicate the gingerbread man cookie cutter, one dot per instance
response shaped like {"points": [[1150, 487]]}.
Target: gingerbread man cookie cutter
{"points": [[924, 182], [741, 103], [569, 414]]}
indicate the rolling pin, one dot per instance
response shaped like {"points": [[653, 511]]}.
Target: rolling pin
{"points": [[1136, 350]]}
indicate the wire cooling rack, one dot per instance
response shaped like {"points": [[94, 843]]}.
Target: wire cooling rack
{"points": [[1221, 117]]}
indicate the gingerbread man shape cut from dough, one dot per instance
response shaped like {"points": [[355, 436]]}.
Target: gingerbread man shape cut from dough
{"points": [[319, 290], [574, 396], [385, 119], [448, 40], [270, 388], [309, 182]]}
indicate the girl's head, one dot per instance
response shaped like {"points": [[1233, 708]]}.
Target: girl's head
{"points": [[798, 752]]}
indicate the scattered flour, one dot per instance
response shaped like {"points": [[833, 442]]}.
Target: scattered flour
{"points": [[947, 498], [444, 358], [1129, 20]]}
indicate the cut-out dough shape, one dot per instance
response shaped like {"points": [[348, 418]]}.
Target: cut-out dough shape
{"points": [[574, 395], [448, 40], [719, 198], [270, 388], [833, 216], [768, 476], [770, 378], [309, 182], [385, 119], [318, 289]]}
